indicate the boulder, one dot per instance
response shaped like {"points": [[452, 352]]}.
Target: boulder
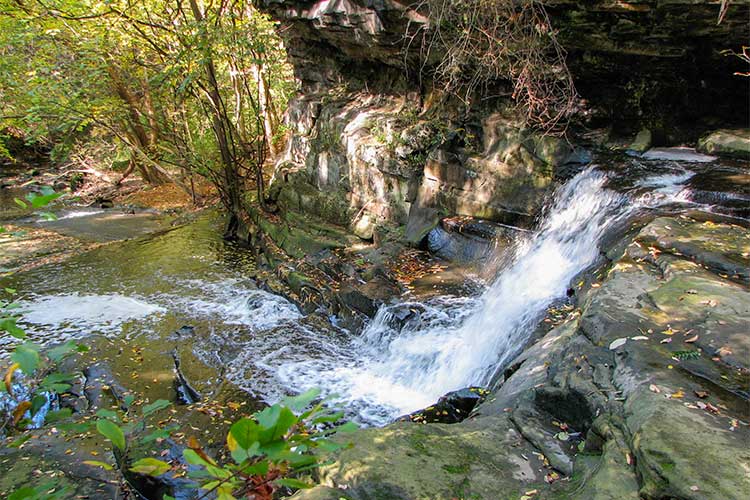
{"points": [[729, 143]]}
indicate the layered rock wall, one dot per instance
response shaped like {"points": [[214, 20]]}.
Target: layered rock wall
{"points": [[371, 143]]}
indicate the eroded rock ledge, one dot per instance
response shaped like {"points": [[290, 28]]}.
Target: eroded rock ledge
{"points": [[642, 393]]}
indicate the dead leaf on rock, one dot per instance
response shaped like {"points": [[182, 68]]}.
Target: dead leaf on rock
{"points": [[724, 351], [617, 343], [677, 395], [666, 341], [701, 394], [691, 339], [654, 388]]}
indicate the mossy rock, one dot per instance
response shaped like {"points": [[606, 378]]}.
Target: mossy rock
{"points": [[729, 143]]}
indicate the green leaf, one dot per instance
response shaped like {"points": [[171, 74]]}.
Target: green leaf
{"points": [[158, 434], [9, 325], [128, 400], [19, 441], [299, 403], [112, 432], [257, 469], [331, 417], [290, 482], [39, 201], [97, 463], [27, 357], [37, 402], [22, 493], [150, 467], [157, 405], [57, 381], [245, 432], [193, 458], [59, 353], [109, 414], [275, 422], [20, 203]]}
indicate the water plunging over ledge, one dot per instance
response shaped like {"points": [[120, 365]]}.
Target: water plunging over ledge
{"points": [[452, 342], [412, 352]]}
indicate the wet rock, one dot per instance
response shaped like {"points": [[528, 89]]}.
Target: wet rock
{"points": [[467, 240], [102, 390], [452, 408], [366, 298], [421, 221], [643, 421], [186, 394], [729, 143], [724, 187]]}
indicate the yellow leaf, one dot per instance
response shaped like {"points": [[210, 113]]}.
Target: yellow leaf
{"points": [[20, 410], [231, 442], [678, 395], [9, 377]]}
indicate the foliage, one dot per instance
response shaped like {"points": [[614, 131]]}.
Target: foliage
{"points": [[35, 369], [269, 448], [478, 43], [178, 89]]}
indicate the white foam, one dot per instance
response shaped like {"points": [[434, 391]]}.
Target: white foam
{"points": [[81, 313]]}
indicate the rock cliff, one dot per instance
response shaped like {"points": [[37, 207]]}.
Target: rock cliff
{"points": [[373, 142]]}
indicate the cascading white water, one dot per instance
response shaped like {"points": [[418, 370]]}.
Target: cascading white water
{"points": [[461, 342], [437, 361]]}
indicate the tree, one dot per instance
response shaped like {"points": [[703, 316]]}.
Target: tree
{"points": [[181, 89]]}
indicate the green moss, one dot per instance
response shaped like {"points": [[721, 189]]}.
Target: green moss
{"points": [[457, 469]]}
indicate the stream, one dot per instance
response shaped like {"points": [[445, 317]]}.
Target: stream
{"points": [[186, 289]]}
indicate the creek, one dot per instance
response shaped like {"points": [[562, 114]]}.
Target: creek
{"points": [[186, 289]]}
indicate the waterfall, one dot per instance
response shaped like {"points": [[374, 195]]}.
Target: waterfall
{"points": [[400, 365], [437, 360]]}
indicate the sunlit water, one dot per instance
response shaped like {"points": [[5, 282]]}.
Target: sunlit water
{"points": [[411, 353]]}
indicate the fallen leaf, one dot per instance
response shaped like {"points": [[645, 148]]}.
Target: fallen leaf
{"points": [[691, 339], [724, 351], [617, 343], [677, 395], [20, 410], [639, 337], [712, 409], [666, 341], [551, 477], [654, 388], [694, 488], [701, 394], [9, 377]]}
